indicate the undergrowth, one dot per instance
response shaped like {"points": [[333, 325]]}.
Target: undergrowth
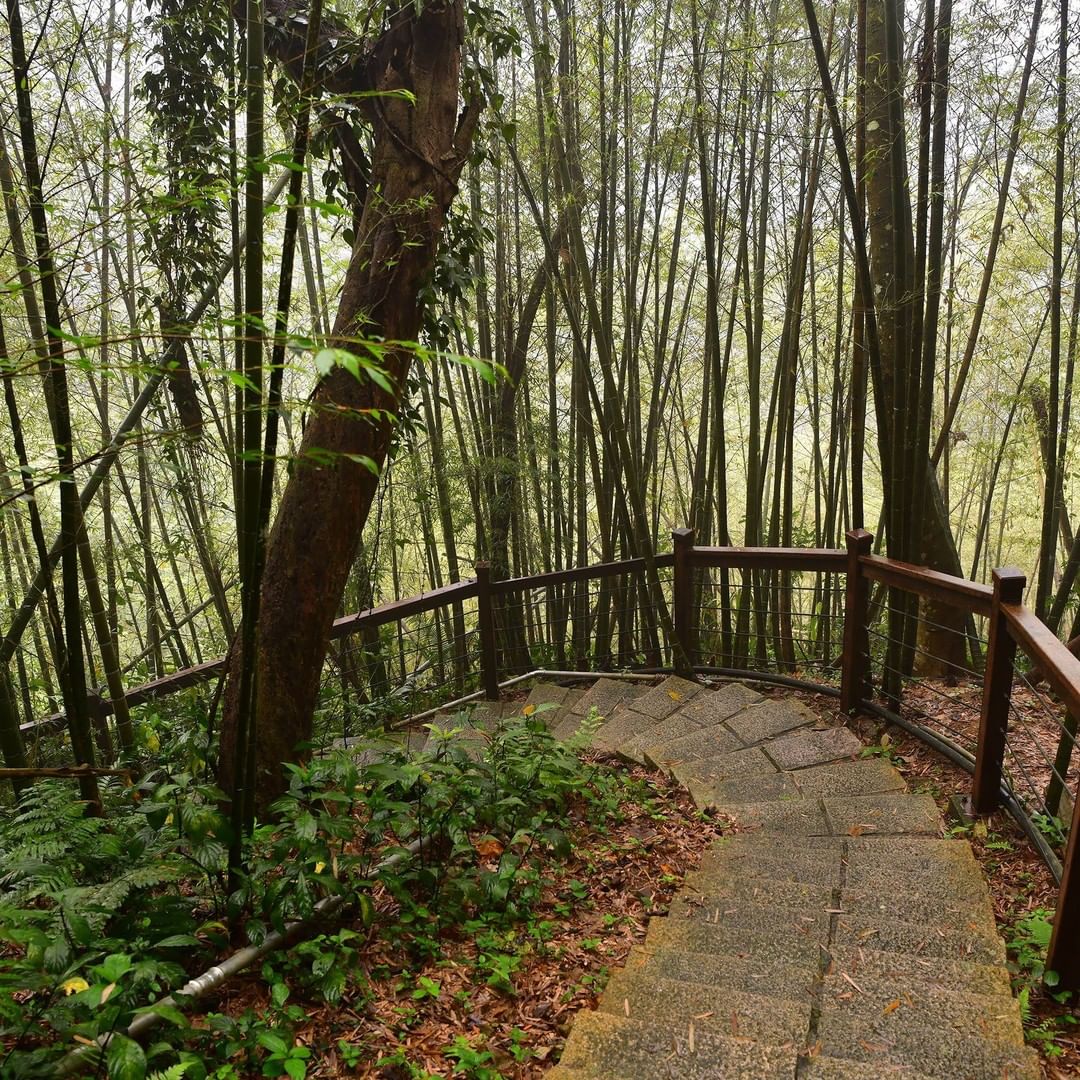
{"points": [[99, 917]]}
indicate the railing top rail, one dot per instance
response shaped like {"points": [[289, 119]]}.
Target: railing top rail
{"points": [[929, 583], [1054, 660], [578, 573], [767, 558], [402, 609]]}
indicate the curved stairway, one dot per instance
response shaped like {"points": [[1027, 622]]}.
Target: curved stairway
{"points": [[834, 936]]}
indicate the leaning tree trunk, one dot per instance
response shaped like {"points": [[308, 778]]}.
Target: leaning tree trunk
{"points": [[417, 153]]}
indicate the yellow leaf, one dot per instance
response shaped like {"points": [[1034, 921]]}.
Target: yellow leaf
{"points": [[74, 986], [320, 867], [674, 695], [528, 710]]}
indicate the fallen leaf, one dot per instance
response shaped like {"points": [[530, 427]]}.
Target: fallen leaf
{"points": [[892, 1006]]}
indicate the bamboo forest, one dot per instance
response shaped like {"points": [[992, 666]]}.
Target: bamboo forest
{"points": [[540, 538]]}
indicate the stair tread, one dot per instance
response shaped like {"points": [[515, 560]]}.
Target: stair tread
{"points": [[642, 995], [637, 1050]]}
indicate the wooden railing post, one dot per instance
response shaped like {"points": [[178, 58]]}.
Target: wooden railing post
{"points": [[489, 659], [854, 673], [997, 692], [1063, 955], [682, 541]]}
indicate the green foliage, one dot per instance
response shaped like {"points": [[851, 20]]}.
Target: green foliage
{"points": [[1028, 943], [95, 913]]}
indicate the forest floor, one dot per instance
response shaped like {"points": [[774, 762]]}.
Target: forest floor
{"points": [[499, 1003]]}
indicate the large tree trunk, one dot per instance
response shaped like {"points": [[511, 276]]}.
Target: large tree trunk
{"points": [[418, 150]]}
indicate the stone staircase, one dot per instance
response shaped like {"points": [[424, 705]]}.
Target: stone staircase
{"points": [[834, 935]]}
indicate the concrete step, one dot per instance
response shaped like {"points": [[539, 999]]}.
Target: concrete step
{"points": [[605, 694], [764, 891], [659, 702], [779, 862], [709, 770], [916, 906], [887, 1042], [556, 720], [624, 724], [758, 788], [641, 995], [541, 697], [700, 936], [746, 911], [789, 817], [891, 1009], [977, 943], [703, 742], [707, 709], [831, 1068], [914, 970], [763, 973], [804, 749], [889, 814], [713, 706], [769, 718], [617, 1047], [869, 776]]}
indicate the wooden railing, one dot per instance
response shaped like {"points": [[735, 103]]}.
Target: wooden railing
{"points": [[1012, 629]]}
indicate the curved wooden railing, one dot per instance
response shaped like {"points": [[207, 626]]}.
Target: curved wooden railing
{"points": [[472, 647]]}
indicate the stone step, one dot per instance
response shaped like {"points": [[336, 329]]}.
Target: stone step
{"points": [[605, 695], [914, 970], [977, 943], [831, 1068], [888, 1007], [619, 1048], [747, 911], [712, 706], [804, 749], [555, 720], [641, 995], [789, 817], [779, 863], [762, 973], [915, 906], [541, 697], [707, 709], [943, 875], [701, 936], [888, 814], [659, 702], [757, 788], [869, 776], [723, 766], [713, 888], [772, 717], [625, 723], [946, 1055], [703, 742]]}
